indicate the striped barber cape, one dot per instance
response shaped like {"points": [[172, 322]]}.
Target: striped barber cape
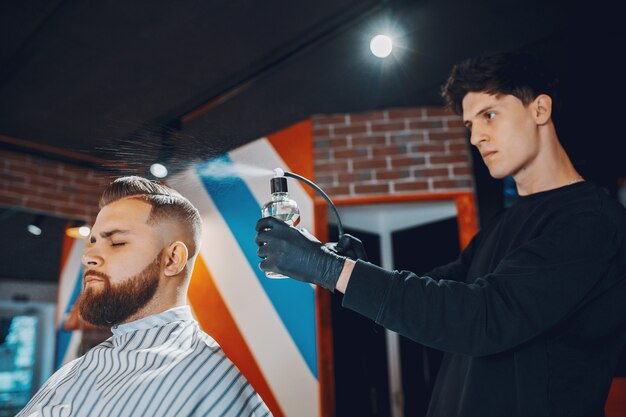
{"points": [[161, 365]]}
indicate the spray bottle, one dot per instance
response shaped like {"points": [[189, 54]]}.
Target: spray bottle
{"points": [[281, 206], [284, 208]]}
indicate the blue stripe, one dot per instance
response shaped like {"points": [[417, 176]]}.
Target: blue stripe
{"points": [[294, 301], [64, 336]]}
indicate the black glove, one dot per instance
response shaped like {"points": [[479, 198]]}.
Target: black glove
{"points": [[288, 251], [348, 246]]}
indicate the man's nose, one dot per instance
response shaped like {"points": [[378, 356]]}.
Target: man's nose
{"points": [[477, 137], [91, 258]]}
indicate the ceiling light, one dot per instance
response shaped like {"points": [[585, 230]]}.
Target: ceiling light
{"points": [[78, 232], [34, 227], [381, 46], [158, 170]]}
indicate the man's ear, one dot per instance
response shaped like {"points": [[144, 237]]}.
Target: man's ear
{"points": [[542, 108], [175, 258]]}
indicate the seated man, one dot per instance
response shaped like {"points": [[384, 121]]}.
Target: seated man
{"points": [[158, 362]]}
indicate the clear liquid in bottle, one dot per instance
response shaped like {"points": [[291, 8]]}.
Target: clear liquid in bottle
{"points": [[282, 207]]}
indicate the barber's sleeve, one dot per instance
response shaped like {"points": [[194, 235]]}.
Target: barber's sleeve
{"points": [[532, 289], [458, 269], [370, 284]]}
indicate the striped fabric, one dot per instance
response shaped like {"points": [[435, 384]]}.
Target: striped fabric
{"points": [[162, 365]]}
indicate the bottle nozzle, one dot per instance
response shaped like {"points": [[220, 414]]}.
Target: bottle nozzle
{"points": [[278, 183]]}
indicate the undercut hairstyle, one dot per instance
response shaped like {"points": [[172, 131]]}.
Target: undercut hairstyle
{"points": [[167, 204], [500, 73]]}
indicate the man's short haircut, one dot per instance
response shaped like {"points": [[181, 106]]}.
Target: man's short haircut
{"points": [[166, 203], [500, 73]]}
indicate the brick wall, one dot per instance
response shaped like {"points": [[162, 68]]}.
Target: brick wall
{"points": [[396, 151], [54, 188]]}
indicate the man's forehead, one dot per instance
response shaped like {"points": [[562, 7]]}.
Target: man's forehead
{"points": [[480, 97], [132, 203], [474, 102], [124, 213]]}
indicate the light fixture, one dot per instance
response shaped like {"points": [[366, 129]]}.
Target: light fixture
{"points": [[34, 227], [381, 46], [78, 232], [158, 170]]}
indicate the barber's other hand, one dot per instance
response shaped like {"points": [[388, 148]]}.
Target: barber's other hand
{"points": [[349, 246], [286, 250]]}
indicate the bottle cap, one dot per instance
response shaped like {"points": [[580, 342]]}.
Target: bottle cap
{"points": [[278, 185]]}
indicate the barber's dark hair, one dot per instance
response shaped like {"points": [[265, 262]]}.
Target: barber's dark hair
{"points": [[166, 203], [499, 73]]}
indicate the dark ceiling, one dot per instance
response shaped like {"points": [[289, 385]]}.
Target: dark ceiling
{"points": [[135, 81]]}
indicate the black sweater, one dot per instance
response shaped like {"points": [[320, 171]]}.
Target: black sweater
{"points": [[532, 316]]}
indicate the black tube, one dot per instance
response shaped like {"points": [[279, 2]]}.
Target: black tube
{"points": [[322, 193]]}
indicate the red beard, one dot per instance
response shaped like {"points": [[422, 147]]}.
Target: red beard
{"points": [[114, 304]]}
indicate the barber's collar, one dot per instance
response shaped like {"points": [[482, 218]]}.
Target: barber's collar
{"points": [[182, 313]]}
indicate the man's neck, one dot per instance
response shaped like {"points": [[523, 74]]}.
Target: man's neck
{"points": [[155, 306], [552, 169]]}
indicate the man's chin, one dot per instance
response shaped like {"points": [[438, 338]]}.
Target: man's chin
{"points": [[94, 287], [498, 175]]}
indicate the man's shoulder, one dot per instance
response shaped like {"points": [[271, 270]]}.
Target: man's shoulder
{"points": [[208, 342], [584, 209], [208, 346], [596, 202], [589, 219], [213, 357], [585, 200]]}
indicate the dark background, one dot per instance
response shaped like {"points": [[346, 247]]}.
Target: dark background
{"points": [[134, 82], [131, 83], [359, 347]]}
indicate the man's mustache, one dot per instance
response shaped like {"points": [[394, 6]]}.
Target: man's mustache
{"points": [[96, 274]]}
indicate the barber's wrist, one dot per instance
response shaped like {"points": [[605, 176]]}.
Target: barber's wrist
{"points": [[344, 277], [328, 268]]}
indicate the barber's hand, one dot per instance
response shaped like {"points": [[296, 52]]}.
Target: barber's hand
{"points": [[349, 246], [288, 251]]}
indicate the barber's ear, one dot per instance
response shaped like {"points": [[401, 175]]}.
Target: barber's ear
{"points": [[542, 108], [175, 258]]}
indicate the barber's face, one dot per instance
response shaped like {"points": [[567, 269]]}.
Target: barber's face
{"points": [[122, 264], [503, 130]]}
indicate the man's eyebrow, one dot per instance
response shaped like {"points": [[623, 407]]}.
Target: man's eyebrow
{"points": [[108, 233], [468, 123]]}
